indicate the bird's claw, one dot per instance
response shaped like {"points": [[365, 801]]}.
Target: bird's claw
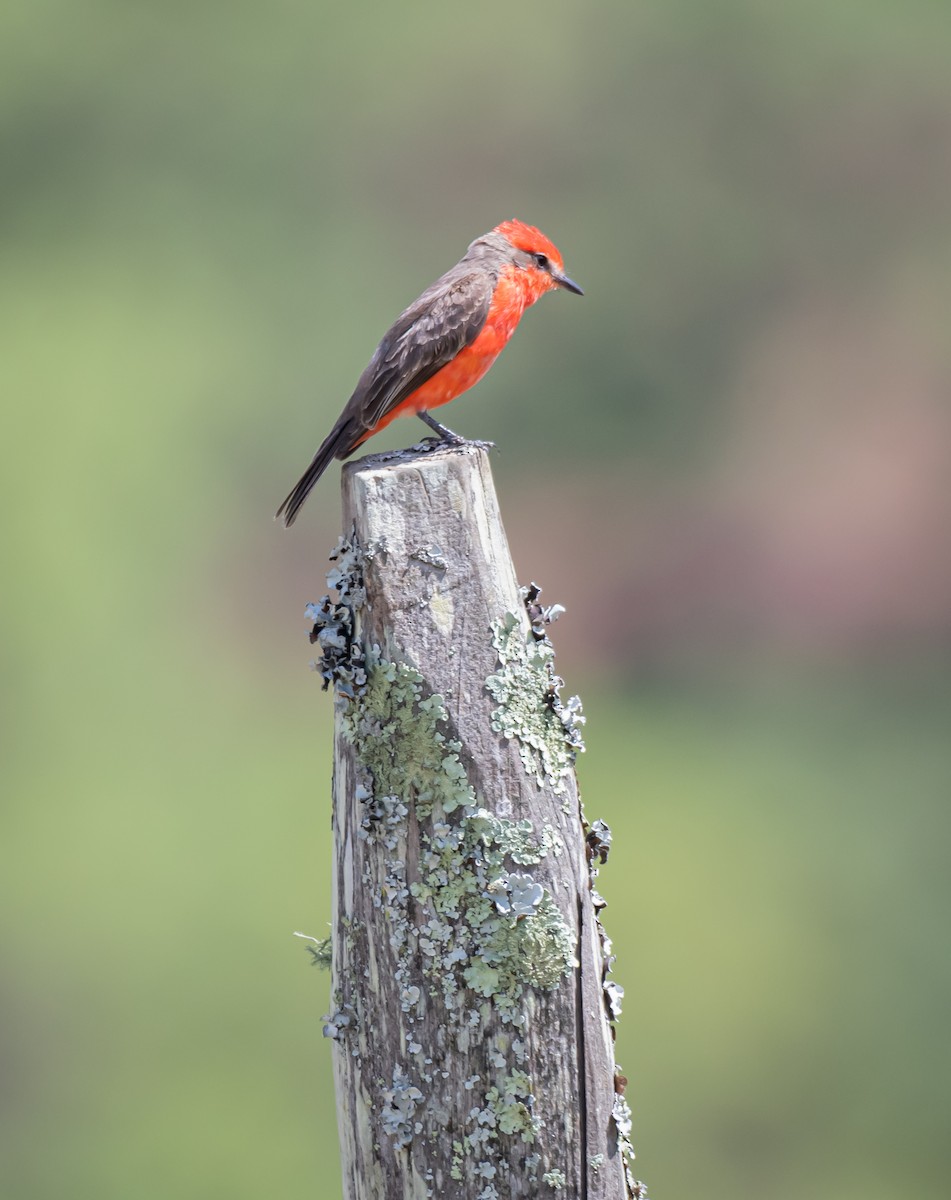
{"points": [[431, 444]]}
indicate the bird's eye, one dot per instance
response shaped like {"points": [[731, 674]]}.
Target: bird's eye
{"points": [[541, 260]]}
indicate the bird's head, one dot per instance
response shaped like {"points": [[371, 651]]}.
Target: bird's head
{"points": [[533, 252]]}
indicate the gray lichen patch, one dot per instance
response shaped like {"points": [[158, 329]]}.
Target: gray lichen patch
{"points": [[622, 1121], [341, 660], [598, 845], [431, 555], [398, 1113], [529, 708]]}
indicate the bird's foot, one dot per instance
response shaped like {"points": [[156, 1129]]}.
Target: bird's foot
{"points": [[447, 437]]}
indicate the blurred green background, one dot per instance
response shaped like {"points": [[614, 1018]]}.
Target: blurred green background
{"points": [[730, 461]]}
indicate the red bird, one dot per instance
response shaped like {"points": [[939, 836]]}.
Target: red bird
{"points": [[444, 342]]}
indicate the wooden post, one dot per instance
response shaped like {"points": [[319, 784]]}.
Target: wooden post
{"points": [[473, 1051]]}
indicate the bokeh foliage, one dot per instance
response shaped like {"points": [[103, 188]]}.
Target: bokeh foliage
{"points": [[210, 211]]}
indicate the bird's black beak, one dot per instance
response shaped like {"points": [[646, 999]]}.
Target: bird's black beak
{"points": [[568, 284]]}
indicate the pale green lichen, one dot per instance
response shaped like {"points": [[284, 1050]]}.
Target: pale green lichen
{"points": [[341, 1020], [536, 950], [509, 1106], [398, 740], [467, 939], [555, 1179], [529, 706]]}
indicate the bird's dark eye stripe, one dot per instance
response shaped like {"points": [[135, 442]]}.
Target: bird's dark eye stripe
{"points": [[542, 260]]}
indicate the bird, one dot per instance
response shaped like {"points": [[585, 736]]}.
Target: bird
{"points": [[443, 343]]}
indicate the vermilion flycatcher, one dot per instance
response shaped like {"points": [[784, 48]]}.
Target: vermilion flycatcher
{"points": [[444, 342]]}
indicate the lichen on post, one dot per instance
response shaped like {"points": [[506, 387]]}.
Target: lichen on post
{"points": [[471, 1016]]}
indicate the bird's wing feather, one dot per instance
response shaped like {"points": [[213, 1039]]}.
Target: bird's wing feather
{"points": [[445, 319]]}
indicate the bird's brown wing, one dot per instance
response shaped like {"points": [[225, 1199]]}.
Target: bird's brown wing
{"points": [[445, 319]]}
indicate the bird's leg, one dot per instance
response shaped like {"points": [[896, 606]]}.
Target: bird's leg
{"points": [[453, 439], [447, 437]]}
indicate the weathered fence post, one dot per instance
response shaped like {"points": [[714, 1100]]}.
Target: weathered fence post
{"points": [[473, 1052]]}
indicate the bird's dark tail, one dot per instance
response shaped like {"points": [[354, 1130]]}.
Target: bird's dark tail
{"points": [[340, 442]]}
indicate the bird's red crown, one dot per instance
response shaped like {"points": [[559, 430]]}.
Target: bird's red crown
{"points": [[528, 238]]}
